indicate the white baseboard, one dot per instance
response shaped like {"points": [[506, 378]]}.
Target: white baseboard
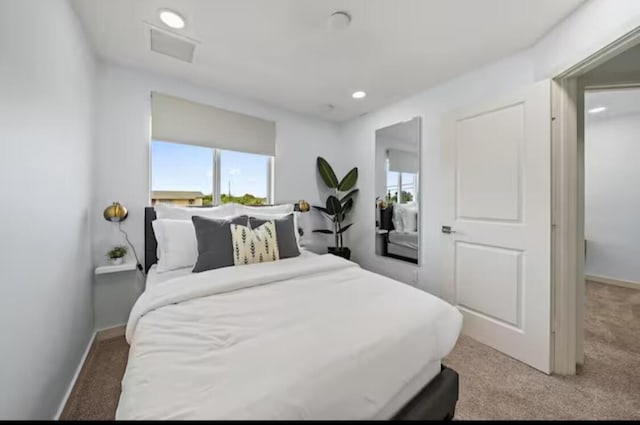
{"points": [[111, 332], [75, 377], [612, 281]]}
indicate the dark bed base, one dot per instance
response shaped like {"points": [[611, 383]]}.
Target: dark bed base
{"points": [[437, 401], [386, 253], [400, 257]]}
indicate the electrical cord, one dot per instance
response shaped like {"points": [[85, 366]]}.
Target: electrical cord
{"points": [[135, 254]]}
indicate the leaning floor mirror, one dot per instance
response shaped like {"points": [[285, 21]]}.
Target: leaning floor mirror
{"points": [[397, 192]]}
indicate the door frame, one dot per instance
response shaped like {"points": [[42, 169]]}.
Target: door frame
{"points": [[567, 205]]}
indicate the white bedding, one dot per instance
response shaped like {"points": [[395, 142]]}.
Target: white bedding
{"points": [[311, 337], [402, 251], [154, 277], [406, 239]]}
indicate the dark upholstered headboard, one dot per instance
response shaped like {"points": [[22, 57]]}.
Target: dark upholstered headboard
{"points": [[386, 218], [150, 242]]}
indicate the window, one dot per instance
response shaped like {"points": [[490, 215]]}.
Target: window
{"points": [[184, 174], [393, 181], [407, 181], [244, 178]]}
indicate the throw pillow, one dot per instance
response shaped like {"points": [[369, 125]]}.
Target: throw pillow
{"points": [[258, 245]]}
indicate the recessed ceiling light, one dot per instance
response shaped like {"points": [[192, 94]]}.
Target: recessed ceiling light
{"points": [[597, 110], [359, 95], [171, 19]]}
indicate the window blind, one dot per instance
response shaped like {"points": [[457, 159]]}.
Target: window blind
{"points": [[182, 121], [402, 161]]}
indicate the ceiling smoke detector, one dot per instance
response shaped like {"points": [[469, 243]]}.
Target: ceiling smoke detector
{"points": [[328, 108], [339, 20]]}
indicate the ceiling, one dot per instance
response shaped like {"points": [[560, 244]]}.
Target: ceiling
{"points": [[284, 53], [617, 101]]}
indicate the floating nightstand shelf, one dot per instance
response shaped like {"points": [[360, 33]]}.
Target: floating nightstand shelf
{"points": [[114, 268]]}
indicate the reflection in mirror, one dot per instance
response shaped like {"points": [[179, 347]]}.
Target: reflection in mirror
{"points": [[397, 192]]}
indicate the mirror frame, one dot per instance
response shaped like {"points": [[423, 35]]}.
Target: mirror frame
{"points": [[419, 192]]}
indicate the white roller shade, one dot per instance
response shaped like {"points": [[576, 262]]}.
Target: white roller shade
{"points": [[402, 161], [182, 121]]}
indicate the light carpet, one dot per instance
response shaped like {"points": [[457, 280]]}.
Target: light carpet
{"points": [[492, 385]]}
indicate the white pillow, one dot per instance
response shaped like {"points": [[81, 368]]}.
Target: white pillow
{"points": [[396, 218], [177, 245], [409, 219], [185, 213], [271, 209]]}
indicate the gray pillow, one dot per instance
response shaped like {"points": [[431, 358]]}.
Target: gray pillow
{"points": [[285, 234], [215, 248]]}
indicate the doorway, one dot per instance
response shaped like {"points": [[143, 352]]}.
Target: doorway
{"points": [[611, 227], [587, 222]]}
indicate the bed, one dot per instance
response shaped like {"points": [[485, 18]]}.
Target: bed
{"points": [[401, 244], [310, 337]]}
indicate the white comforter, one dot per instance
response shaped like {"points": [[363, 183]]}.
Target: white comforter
{"points": [[302, 338], [406, 239]]}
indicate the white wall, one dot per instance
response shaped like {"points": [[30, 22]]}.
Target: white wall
{"points": [[590, 28], [46, 89], [612, 197], [122, 152], [431, 106]]}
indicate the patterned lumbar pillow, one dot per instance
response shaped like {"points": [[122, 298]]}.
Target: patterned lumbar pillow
{"points": [[286, 231], [257, 245]]}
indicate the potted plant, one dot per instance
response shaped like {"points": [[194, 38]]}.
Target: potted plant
{"points": [[116, 255], [338, 204]]}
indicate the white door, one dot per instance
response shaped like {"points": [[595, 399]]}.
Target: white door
{"points": [[497, 264]]}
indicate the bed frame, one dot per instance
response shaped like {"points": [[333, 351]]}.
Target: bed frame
{"points": [[436, 401]]}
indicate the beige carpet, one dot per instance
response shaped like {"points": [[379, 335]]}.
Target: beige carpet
{"points": [[95, 395], [492, 385]]}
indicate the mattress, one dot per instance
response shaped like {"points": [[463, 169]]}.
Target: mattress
{"points": [[311, 337], [406, 239], [402, 251]]}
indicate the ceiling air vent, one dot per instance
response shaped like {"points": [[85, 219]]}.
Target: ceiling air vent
{"points": [[171, 45]]}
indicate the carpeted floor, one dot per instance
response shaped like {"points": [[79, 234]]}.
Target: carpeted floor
{"points": [[95, 395], [492, 385]]}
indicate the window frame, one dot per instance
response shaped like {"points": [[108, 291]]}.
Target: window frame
{"points": [[414, 185]]}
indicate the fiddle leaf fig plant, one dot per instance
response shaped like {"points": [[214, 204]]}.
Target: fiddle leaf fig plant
{"points": [[339, 203]]}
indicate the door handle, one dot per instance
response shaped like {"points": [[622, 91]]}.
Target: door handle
{"points": [[447, 230]]}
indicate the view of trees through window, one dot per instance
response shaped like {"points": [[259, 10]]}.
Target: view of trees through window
{"points": [[184, 174], [406, 181]]}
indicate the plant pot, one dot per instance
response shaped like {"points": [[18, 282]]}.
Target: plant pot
{"points": [[340, 252], [116, 261]]}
